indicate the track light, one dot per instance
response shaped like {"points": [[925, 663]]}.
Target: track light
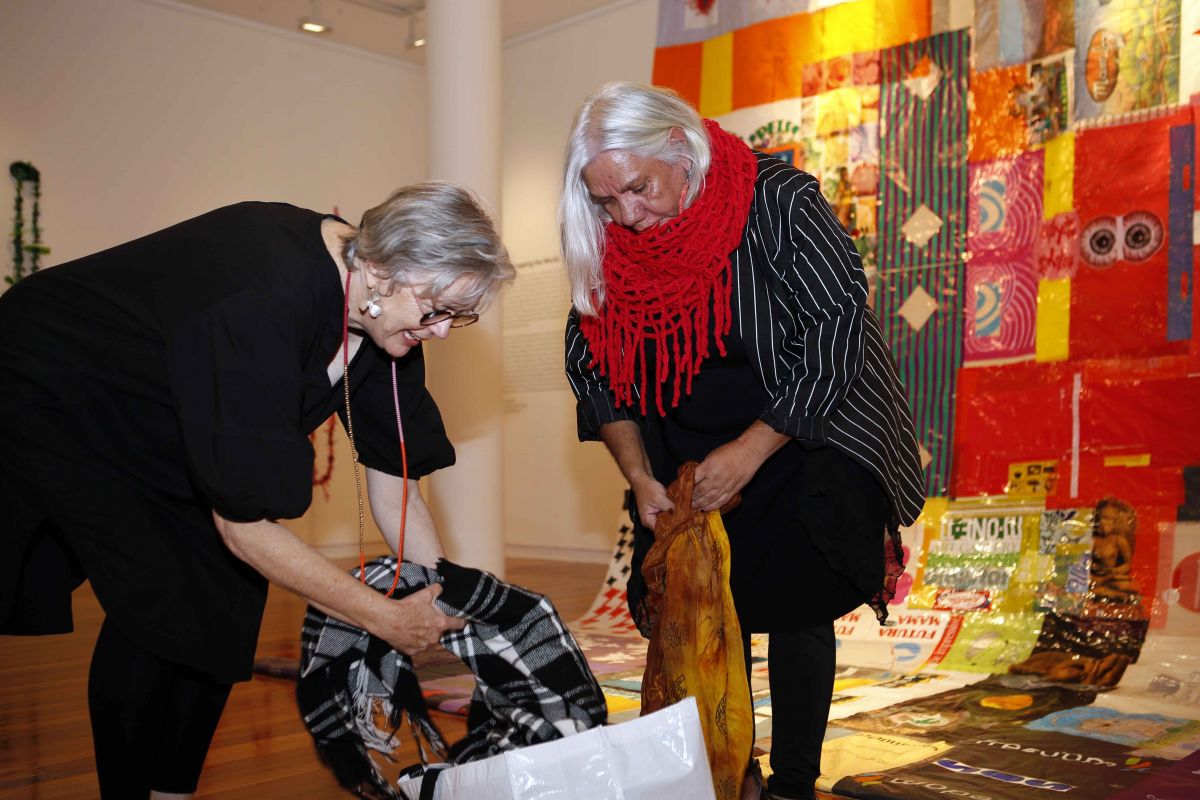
{"points": [[413, 39], [315, 22]]}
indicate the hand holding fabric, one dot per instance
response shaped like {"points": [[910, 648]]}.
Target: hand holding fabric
{"points": [[652, 500], [722, 475], [414, 623], [725, 471]]}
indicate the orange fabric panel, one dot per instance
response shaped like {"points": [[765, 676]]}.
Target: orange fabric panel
{"points": [[679, 68], [997, 122], [768, 59]]}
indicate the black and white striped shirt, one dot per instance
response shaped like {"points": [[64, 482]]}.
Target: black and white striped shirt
{"points": [[800, 305]]}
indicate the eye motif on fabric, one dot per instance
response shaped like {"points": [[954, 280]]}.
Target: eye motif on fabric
{"points": [[1134, 237]]}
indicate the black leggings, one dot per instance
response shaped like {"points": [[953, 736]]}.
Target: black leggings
{"points": [[801, 665], [152, 720]]}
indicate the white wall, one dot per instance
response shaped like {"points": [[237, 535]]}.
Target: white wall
{"points": [[141, 113], [562, 498]]}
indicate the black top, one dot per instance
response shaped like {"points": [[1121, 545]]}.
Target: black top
{"points": [[806, 539], [146, 385], [800, 306]]}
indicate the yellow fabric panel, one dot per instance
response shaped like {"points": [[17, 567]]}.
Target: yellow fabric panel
{"points": [[839, 110], [1053, 319], [616, 704], [846, 28], [931, 524], [1059, 194], [902, 21], [1139, 460], [716, 76], [870, 25]]}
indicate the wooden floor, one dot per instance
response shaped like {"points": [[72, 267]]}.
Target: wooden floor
{"points": [[261, 750]]}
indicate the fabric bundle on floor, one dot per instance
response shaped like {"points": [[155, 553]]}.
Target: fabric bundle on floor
{"points": [[696, 642], [533, 684]]}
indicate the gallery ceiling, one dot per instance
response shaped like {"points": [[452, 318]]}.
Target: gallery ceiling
{"points": [[376, 26]]}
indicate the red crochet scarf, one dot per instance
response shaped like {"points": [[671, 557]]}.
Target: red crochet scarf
{"points": [[662, 284]]}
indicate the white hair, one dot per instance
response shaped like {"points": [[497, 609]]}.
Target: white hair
{"points": [[431, 235], [635, 118]]}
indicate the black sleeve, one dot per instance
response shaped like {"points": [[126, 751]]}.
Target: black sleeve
{"points": [[594, 402], [820, 277], [236, 383], [374, 408]]}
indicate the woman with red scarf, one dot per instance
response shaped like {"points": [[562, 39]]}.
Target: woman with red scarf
{"points": [[720, 316]]}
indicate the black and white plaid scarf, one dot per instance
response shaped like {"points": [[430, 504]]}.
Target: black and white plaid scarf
{"points": [[532, 682]]}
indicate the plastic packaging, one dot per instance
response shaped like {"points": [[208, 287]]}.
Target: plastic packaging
{"points": [[655, 756]]}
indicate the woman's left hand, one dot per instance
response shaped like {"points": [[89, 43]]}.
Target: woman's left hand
{"points": [[726, 470], [722, 474]]}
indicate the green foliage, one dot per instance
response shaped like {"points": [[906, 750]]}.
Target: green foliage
{"points": [[23, 172]]}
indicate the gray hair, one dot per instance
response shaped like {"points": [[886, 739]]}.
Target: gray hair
{"points": [[431, 235], [636, 118]]}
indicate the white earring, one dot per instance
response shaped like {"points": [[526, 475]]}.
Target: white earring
{"points": [[373, 307]]}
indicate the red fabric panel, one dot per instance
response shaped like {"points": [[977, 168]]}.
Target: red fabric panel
{"points": [[1022, 412], [1006, 414], [1120, 309]]}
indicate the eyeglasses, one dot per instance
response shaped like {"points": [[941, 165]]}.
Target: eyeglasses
{"points": [[458, 319]]}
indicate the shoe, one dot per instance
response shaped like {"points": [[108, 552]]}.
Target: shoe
{"points": [[753, 785]]}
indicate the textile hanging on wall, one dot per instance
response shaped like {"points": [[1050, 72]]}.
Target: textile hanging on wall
{"points": [[832, 132], [1106, 426], [1020, 107], [1005, 219], [922, 232], [727, 55], [1126, 55], [1181, 233], [1119, 294], [1015, 31]]}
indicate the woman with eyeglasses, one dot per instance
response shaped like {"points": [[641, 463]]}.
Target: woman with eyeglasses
{"points": [[156, 401]]}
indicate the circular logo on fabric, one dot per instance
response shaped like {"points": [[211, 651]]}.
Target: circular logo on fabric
{"points": [[1007, 702], [1103, 64]]}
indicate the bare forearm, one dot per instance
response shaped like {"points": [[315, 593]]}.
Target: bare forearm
{"points": [[761, 440], [281, 558], [624, 441], [409, 624], [421, 541]]}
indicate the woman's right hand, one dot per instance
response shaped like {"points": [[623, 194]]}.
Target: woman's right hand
{"points": [[652, 500], [414, 623]]}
